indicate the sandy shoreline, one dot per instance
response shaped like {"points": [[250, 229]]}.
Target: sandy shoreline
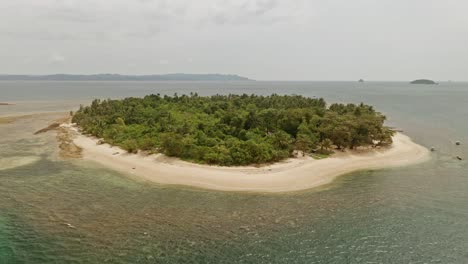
{"points": [[291, 175]]}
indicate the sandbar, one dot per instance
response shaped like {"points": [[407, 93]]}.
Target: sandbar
{"points": [[294, 174]]}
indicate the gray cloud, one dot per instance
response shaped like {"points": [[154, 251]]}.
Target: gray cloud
{"points": [[263, 39], [69, 14], [244, 12], [56, 58]]}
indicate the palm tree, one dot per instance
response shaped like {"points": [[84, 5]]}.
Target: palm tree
{"points": [[325, 144]]}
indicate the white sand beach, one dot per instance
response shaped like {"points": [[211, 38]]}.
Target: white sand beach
{"points": [[290, 175]]}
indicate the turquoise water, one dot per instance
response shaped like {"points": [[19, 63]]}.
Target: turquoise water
{"points": [[55, 211]]}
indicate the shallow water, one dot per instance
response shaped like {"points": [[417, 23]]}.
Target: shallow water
{"points": [[55, 211]]}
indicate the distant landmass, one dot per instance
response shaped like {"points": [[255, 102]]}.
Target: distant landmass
{"points": [[423, 81], [118, 77]]}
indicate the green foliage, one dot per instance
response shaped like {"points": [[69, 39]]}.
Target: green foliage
{"points": [[233, 129]]}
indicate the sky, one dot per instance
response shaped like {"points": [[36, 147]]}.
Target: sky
{"points": [[259, 39]]}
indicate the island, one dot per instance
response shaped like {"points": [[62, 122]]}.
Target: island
{"points": [[237, 142], [118, 77], [423, 81], [233, 129]]}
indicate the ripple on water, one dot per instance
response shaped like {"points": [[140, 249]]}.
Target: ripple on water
{"points": [[18, 161]]}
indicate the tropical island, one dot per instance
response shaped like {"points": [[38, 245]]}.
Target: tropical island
{"points": [[235, 142], [423, 81], [232, 130]]}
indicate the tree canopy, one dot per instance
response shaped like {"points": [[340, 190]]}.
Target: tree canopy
{"points": [[232, 129]]}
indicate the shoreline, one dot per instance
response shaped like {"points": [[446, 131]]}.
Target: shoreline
{"points": [[294, 174]]}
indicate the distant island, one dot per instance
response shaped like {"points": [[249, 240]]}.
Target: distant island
{"points": [[232, 130], [118, 77], [423, 81]]}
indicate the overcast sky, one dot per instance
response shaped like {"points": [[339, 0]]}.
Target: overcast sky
{"points": [[260, 39]]}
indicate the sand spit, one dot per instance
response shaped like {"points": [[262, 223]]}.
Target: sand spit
{"points": [[68, 149], [291, 175], [55, 125]]}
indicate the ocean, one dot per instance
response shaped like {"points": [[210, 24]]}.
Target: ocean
{"points": [[72, 211]]}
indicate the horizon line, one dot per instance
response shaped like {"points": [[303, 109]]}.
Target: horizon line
{"points": [[226, 74]]}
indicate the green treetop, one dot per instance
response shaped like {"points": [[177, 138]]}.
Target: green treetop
{"points": [[232, 129]]}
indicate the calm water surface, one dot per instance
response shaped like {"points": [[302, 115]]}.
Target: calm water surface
{"points": [[56, 211]]}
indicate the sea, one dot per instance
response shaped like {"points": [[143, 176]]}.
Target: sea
{"points": [[72, 211]]}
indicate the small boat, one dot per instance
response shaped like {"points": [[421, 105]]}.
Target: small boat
{"points": [[458, 143], [459, 158], [432, 149]]}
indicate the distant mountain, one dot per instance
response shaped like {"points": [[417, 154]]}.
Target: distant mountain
{"points": [[118, 77], [423, 81]]}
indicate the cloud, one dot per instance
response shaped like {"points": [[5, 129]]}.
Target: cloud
{"points": [[262, 7], [246, 12], [313, 39], [89, 19], [70, 14], [56, 58]]}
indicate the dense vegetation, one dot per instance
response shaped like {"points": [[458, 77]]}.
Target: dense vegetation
{"points": [[232, 129]]}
